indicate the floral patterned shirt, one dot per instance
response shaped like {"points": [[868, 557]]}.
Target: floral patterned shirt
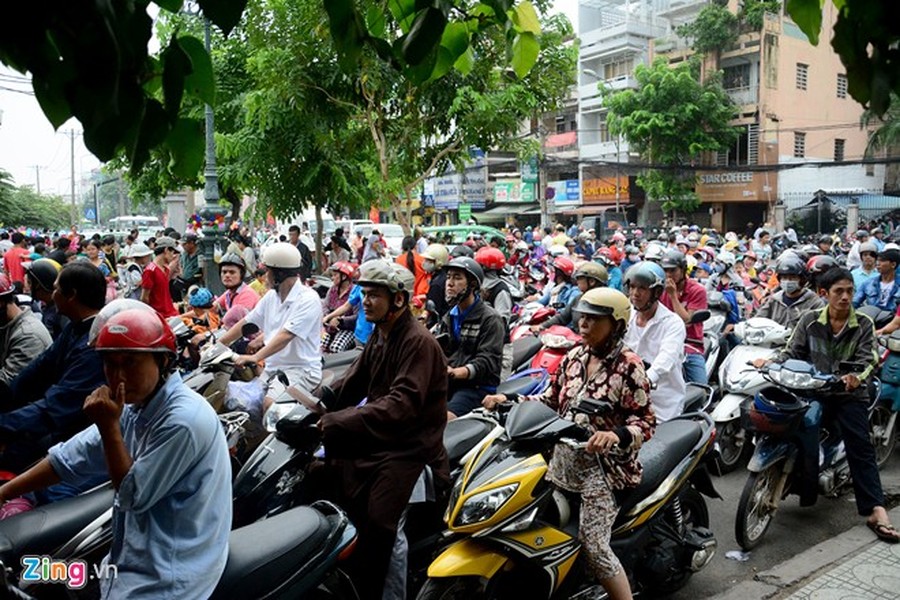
{"points": [[619, 379]]}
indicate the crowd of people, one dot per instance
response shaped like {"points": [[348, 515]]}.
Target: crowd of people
{"points": [[92, 392]]}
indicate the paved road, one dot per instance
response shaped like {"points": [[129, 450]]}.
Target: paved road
{"points": [[794, 530]]}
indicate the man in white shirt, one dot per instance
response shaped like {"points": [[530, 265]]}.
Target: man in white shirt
{"points": [[854, 260], [290, 317], [657, 335]]}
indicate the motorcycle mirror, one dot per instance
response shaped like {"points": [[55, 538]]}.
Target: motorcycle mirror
{"points": [[699, 316], [282, 378], [249, 329], [430, 306]]}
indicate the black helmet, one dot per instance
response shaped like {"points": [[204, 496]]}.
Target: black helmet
{"points": [[674, 259], [462, 250], [234, 259], [825, 239], [820, 264], [44, 271], [791, 264], [472, 268]]}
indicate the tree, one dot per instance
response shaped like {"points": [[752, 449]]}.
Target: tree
{"points": [[866, 36], [671, 120], [887, 128], [23, 207], [715, 29]]}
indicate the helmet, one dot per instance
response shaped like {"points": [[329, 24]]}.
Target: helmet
{"points": [[490, 258], [791, 265], [282, 255], [564, 264], [140, 250], [521, 246], [123, 327], [819, 264], [862, 233], [773, 411], [390, 275], [472, 268], [235, 259], [592, 270], [653, 253], [868, 247], [558, 250], [437, 253], [462, 250], [201, 298], [44, 271], [673, 259], [646, 273], [825, 239], [726, 258], [344, 268], [6, 286], [618, 237], [605, 302], [631, 249]]}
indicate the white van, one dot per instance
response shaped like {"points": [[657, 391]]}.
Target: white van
{"points": [[350, 226]]}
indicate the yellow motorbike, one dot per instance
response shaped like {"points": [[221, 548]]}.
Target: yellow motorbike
{"points": [[512, 534]]}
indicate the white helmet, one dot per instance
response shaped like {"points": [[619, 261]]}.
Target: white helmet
{"points": [[726, 258], [139, 250], [437, 253], [654, 252], [558, 250], [282, 256]]}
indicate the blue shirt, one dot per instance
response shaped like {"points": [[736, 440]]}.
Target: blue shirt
{"points": [[172, 513], [568, 293], [869, 293], [860, 277], [363, 328]]}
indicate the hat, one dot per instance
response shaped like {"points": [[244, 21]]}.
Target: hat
{"points": [[166, 242], [190, 236], [862, 233]]}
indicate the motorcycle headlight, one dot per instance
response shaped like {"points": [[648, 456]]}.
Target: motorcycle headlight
{"points": [[483, 506], [276, 412], [754, 336], [795, 380], [893, 343]]}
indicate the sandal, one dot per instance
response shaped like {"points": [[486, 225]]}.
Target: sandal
{"points": [[884, 531]]}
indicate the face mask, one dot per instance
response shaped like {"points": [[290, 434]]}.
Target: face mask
{"points": [[428, 266], [790, 287]]}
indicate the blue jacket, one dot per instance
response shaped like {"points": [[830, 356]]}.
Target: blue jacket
{"points": [[615, 278], [565, 296], [47, 396], [870, 291]]}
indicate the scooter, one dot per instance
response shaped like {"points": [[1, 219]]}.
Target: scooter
{"points": [[515, 535], [760, 338], [533, 313], [883, 420], [790, 414], [880, 316], [556, 341]]}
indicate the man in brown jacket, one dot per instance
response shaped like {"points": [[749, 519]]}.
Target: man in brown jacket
{"points": [[379, 450]]}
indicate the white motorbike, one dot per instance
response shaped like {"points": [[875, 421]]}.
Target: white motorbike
{"points": [[738, 381]]}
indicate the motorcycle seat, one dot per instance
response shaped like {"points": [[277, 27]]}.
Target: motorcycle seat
{"points": [[46, 528], [524, 349], [461, 435], [672, 441], [520, 385], [340, 359], [694, 398], [263, 553]]}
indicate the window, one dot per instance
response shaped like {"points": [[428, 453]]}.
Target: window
{"points": [[870, 170], [736, 77], [560, 124], [838, 150], [620, 68], [744, 151], [841, 85], [799, 144], [573, 125], [604, 131], [802, 75]]}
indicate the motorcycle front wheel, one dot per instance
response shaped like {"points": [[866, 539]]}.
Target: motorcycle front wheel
{"points": [[755, 509], [450, 588], [883, 433], [734, 446]]}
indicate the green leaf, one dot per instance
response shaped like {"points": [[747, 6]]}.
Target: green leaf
{"points": [[375, 21], [169, 5], [49, 89], [187, 145], [525, 17], [153, 130], [466, 61], [423, 36], [807, 14], [404, 12], [176, 67], [226, 14], [346, 31], [524, 53], [455, 39], [200, 83]]}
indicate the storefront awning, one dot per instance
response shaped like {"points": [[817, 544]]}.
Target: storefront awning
{"points": [[499, 213], [589, 209]]}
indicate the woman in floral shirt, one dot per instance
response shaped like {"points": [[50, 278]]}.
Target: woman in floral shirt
{"points": [[333, 338], [603, 369]]}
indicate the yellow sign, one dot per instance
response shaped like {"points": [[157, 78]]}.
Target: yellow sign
{"points": [[603, 190]]}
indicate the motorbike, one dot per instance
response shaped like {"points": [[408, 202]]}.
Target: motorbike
{"points": [[883, 420], [514, 534], [712, 335], [880, 316], [556, 341], [760, 338], [775, 467], [533, 313]]}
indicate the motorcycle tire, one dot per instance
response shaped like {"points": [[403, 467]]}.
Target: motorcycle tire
{"points": [[450, 588], [753, 517], [694, 514], [734, 447], [883, 440]]}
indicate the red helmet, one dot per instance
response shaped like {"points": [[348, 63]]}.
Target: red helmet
{"points": [[490, 258], [344, 268], [6, 286], [123, 327], [564, 264]]}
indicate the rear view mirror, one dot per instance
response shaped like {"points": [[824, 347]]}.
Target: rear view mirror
{"points": [[699, 316], [249, 330]]}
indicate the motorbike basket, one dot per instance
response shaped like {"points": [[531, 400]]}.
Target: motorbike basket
{"points": [[772, 412]]}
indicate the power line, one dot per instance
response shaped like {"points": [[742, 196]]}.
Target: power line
{"points": [[23, 92]]}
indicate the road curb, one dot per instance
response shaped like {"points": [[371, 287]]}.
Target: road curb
{"points": [[784, 579]]}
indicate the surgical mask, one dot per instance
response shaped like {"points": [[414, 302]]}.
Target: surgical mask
{"points": [[790, 286], [428, 266]]}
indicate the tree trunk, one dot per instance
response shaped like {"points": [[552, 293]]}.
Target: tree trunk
{"points": [[318, 240]]}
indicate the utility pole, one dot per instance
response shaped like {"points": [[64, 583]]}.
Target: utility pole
{"points": [[37, 178], [72, 154]]}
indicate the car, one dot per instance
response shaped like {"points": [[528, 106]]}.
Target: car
{"points": [[451, 235], [391, 232]]}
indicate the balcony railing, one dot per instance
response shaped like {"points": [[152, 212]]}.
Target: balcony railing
{"points": [[748, 94]]}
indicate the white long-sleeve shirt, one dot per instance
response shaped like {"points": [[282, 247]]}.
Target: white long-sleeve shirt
{"points": [[661, 343]]}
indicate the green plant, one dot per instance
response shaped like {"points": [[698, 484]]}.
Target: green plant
{"points": [[753, 12], [714, 29]]}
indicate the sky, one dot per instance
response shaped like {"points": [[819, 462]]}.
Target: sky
{"points": [[30, 148]]}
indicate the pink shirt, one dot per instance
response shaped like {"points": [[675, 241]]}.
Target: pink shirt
{"points": [[692, 298], [245, 296]]}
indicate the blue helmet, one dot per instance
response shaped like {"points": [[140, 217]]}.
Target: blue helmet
{"points": [[646, 273], [201, 298]]}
